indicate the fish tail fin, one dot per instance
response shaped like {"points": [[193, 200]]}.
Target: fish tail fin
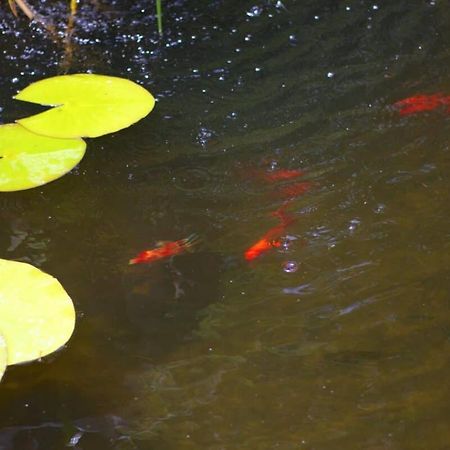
{"points": [[193, 240]]}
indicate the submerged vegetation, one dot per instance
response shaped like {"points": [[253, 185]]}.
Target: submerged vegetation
{"points": [[29, 11], [61, 31]]}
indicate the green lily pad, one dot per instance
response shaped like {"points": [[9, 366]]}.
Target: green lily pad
{"points": [[36, 314], [85, 105], [28, 160], [3, 356]]}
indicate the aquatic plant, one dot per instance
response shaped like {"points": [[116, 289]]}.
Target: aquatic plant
{"points": [[3, 356], [85, 105], [43, 147], [159, 16], [29, 11], [29, 160], [37, 315]]}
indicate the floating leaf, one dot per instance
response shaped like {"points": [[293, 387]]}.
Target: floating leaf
{"points": [[28, 160], [36, 315], [85, 105], [3, 356]]}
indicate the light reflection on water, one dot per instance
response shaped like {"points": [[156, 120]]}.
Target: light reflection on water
{"points": [[348, 351]]}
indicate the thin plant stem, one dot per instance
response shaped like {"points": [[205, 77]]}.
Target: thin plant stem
{"points": [[68, 45], [26, 8], [159, 16]]}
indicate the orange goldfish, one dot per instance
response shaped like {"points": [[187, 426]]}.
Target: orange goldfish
{"points": [[166, 250], [423, 102], [270, 239], [260, 247]]}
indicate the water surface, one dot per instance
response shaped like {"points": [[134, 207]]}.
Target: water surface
{"points": [[350, 350]]}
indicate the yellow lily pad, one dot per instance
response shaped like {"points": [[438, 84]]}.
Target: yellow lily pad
{"points": [[28, 160], [37, 316], [85, 105], [3, 356]]}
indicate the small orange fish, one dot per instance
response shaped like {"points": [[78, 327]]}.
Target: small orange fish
{"points": [[422, 102], [271, 239], [165, 250], [260, 247]]}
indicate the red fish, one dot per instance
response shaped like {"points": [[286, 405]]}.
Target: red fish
{"points": [[282, 174], [271, 239], [296, 189], [260, 247], [165, 250], [419, 103]]}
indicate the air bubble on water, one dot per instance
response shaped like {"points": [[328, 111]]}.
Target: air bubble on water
{"points": [[354, 223], [204, 135], [254, 11], [75, 439], [290, 266], [286, 243], [273, 164]]}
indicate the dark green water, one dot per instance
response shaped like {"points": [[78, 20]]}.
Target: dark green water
{"points": [[351, 351]]}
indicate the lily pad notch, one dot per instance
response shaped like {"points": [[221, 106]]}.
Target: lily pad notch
{"points": [[85, 105]]}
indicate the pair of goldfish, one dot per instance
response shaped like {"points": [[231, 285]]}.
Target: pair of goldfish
{"points": [[164, 250], [270, 239]]}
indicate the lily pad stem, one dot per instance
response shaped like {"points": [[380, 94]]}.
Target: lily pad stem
{"points": [[159, 16]]}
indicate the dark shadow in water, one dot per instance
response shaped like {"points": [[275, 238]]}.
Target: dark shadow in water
{"points": [[88, 433], [163, 301]]}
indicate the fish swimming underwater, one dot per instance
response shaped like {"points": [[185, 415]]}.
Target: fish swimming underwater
{"points": [[422, 102], [282, 174], [262, 246], [166, 250], [271, 239]]}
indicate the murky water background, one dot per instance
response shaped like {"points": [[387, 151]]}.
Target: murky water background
{"points": [[350, 351]]}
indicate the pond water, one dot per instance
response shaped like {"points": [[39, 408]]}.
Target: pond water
{"points": [[339, 338]]}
